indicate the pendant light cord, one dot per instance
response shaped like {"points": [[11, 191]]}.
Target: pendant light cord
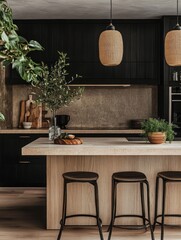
{"points": [[110, 27], [111, 11], [177, 14]]}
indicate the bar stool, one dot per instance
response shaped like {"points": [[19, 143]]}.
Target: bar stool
{"points": [[80, 177], [130, 177], [169, 176]]}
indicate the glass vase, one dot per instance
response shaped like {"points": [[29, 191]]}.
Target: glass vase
{"points": [[54, 130]]}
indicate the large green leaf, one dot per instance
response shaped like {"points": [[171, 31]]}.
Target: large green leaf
{"points": [[4, 37], [2, 118], [35, 45]]}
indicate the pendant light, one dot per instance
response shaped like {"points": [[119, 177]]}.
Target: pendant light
{"points": [[173, 45], [110, 45]]}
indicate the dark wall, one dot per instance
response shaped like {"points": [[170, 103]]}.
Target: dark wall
{"points": [[79, 39]]}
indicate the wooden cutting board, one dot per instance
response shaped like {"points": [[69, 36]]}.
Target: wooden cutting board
{"points": [[32, 114], [22, 113], [35, 115]]}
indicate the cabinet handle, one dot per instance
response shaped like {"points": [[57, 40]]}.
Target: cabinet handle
{"points": [[24, 136], [24, 162]]}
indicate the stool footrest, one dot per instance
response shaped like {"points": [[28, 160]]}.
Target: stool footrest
{"points": [[168, 215], [82, 215], [133, 227]]}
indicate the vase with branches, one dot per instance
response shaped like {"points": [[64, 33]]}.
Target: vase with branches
{"points": [[54, 90]]}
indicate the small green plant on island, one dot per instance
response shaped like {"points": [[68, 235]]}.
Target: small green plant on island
{"points": [[159, 125]]}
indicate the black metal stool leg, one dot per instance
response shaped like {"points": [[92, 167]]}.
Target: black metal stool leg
{"points": [[115, 205], [163, 209], [113, 213], [62, 222], [156, 202], [148, 206], [142, 203], [97, 210]]}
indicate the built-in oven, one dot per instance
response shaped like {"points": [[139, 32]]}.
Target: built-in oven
{"points": [[175, 107]]}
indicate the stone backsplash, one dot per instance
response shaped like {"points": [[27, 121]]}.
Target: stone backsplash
{"points": [[100, 107]]}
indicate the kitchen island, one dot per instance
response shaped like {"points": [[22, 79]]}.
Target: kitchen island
{"points": [[105, 156]]}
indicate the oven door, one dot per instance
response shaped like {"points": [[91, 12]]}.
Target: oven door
{"points": [[175, 109], [176, 112]]}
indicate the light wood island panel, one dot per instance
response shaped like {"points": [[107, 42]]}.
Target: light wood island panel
{"points": [[105, 156]]}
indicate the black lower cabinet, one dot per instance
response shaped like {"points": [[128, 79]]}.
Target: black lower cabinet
{"points": [[17, 170]]}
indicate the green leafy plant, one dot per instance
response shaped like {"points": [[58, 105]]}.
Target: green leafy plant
{"points": [[14, 49], [52, 84], [53, 89], [159, 125], [2, 118]]}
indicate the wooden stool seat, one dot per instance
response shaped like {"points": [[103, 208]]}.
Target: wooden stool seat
{"points": [[170, 175], [81, 176], [129, 176]]}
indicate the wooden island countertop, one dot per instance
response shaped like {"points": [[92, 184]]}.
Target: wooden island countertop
{"points": [[105, 156], [101, 147]]}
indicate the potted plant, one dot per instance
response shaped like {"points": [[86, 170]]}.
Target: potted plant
{"points": [[158, 130], [53, 89]]}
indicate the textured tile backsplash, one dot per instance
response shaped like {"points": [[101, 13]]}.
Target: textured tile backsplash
{"points": [[102, 107]]}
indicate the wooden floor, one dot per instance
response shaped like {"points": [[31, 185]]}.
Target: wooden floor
{"points": [[22, 216]]}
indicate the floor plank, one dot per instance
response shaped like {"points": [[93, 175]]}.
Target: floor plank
{"points": [[22, 216]]}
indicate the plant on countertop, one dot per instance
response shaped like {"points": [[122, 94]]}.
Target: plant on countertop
{"points": [[14, 49], [153, 125], [53, 89]]}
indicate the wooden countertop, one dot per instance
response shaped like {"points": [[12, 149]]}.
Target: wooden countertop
{"points": [[72, 130], [102, 147]]}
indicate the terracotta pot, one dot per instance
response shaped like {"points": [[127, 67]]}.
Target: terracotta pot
{"points": [[157, 137]]}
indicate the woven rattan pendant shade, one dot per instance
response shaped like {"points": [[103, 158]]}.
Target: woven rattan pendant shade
{"points": [[173, 48], [110, 48], [110, 45], [173, 45]]}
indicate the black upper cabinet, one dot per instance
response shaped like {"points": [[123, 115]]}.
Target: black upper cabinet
{"points": [[79, 39], [145, 53]]}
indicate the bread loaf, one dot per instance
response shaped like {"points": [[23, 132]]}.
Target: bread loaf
{"points": [[66, 141]]}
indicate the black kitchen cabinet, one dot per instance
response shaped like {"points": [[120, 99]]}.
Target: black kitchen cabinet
{"points": [[18, 170], [145, 53], [79, 39]]}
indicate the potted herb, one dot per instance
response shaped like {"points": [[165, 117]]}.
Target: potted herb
{"points": [[53, 89], [158, 130]]}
